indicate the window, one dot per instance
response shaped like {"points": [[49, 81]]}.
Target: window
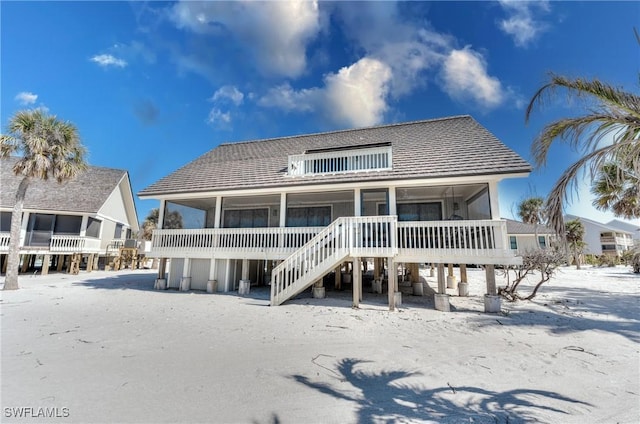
{"points": [[420, 211], [178, 216], [513, 242], [246, 218], [5, 222], [93, 227], [117, 234], [542, 242], [312, 216], [66, 224]]}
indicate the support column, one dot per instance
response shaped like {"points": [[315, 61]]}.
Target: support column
{"points": [[185, 281], [392, 201], [441, 299], [318, 290], [25, 263], [161, 281], [4, 263], [218, 212], [357, 202], [245, 284], [90, 263], [338, 277], [392, 278], [212, 283], [45, 264], [492, 302], [463, 285], [431, 270], [356, 280], [60, 263], [452, 283]]}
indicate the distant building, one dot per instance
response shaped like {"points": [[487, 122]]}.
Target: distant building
{"points": [[625, 226], [522, 236], [603, 238], [91, 215]]}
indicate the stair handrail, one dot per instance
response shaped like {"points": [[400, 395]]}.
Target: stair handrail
{"points": [[329, 234], [347, 240]]}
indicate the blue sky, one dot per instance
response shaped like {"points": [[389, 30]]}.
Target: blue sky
{"points": [[153, 85]]}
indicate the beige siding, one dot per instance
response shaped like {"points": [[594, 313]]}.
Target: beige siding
{"points": [[114, 207]]}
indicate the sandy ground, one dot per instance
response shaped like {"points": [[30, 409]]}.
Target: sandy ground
{"points": [[105, 347]]}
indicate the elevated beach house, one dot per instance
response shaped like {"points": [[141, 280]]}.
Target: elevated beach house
{"points": [[525, 237], [90, 216], [293, 212]]}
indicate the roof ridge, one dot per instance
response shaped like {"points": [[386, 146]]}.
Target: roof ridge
{"points": [[88, 165], [396, 124]]}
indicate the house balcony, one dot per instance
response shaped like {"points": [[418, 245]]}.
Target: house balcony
{"points": [[57, 244], [471, 241]]}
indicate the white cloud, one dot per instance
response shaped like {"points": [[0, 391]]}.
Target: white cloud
{"points": [[288, 99], [356, 96], [522, 21], [219, 118], [465, 77], [228, 92], [26, 98], [276, 33], [106, 60]]}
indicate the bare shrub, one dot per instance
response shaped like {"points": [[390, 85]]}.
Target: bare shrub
{"points": [[544, 262]]}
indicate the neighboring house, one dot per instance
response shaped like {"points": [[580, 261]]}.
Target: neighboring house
{"points": [[91, 215], [625, 226], [603, 239], [522, 236], [288, 211]]}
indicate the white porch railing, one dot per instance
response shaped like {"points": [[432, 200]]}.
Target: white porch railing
{"points": [[271, 242], [74, 244], [466, 241], [367, 159], [58, 244], [4, 241]]}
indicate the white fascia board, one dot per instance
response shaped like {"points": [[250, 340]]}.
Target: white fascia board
{"points": [[306, 188]]}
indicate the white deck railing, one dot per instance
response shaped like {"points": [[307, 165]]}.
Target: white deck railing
{"points": [[74, 244], [368, 159], [465, 241], [4, 241], [59, 244], [468, 239], [273, 242]]}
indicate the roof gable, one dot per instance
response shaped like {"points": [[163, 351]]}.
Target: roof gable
{"points": [[86, 193], [447, 147]]}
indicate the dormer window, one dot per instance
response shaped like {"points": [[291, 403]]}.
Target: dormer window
{"points": [[370, 157]]}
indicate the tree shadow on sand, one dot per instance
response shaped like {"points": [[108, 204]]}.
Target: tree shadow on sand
{"points": [[120, 280], [381, 397]]}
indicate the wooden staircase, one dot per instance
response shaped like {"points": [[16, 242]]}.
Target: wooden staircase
{"points": [[345, 237]]}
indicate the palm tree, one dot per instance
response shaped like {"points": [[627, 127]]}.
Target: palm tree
{"points": [[531, 212], [614, 114], [50, 148], [620, 195], [574, 233]]}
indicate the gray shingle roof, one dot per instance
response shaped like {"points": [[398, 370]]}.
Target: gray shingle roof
{"points": [[517, 227], [86, 193], [447, 147]]}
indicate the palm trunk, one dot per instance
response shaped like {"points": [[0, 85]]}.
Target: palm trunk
{"points": [[13, 257]]}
